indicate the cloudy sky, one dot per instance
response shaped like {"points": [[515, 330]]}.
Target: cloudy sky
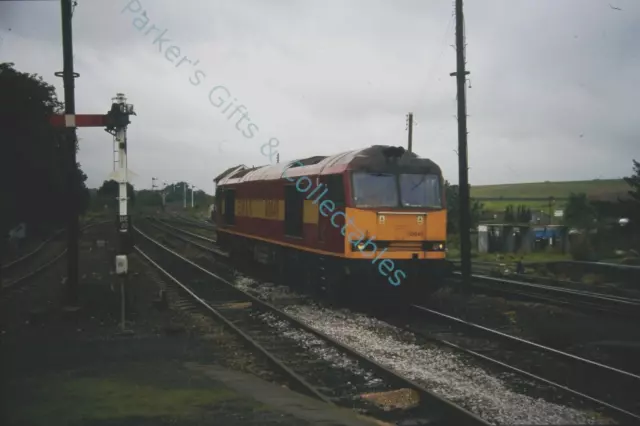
{"points": [[552, 97]]}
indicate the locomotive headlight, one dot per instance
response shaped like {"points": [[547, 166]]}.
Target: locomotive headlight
{"points": [[360, 246], [438, 247]]}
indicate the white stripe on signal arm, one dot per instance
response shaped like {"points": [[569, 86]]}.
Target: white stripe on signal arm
{"points": [[70, 120]]}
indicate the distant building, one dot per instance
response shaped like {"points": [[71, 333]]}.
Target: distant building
{"points": [[523, 238]]}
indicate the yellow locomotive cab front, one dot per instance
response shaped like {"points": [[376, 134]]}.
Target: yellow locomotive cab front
{"points": [[404, 235]]}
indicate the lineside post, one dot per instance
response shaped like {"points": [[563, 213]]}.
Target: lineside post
{"points": [[463, 168], [410, 128], [184, 195], [68, 76]]}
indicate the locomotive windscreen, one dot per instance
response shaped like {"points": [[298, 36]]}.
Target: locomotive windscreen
{"points": [[381, 190], [419, 190], [375, 190]]}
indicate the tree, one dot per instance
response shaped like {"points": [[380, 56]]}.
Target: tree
{"points": [[523, 215], [631, 207], [175, 194], [476, 212], [579, 213], [453, 209], [34, 181], [509, 216], [634, 182], [148, 198], [109, 191]]}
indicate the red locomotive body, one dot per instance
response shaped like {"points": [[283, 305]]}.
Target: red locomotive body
{"points": [[332, 222]]}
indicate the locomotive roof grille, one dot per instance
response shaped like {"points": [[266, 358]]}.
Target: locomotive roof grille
{"points": [[229, 172], [244, 172], [393, 152], [307, 161], [376, 158]]}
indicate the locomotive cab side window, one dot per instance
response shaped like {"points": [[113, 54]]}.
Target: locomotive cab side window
{"points": [[293, 210], [229, 206], [218, 200], [335, 185]]}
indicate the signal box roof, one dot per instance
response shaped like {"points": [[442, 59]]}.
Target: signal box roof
{"points": [[377, 158]]}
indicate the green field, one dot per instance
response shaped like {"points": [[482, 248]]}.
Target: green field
{"points": [[597, 189], [600, 189]]}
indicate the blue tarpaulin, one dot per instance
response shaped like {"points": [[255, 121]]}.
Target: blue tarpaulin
{"points": [[547, 233]]}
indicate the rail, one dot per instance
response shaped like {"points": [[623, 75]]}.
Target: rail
{"points": [[50, 262], [612, 407], [446, 409], [578, 298], [33, 252], [620, 375], [570, 262]]}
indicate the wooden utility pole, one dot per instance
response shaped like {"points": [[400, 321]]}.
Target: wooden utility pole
{"points": [[410, 128], [463, 168], [68, 77]]}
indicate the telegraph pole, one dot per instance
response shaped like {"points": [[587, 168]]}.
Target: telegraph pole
{"points": [[68, 76], [463, 168], [410, 127], [192, 188]]}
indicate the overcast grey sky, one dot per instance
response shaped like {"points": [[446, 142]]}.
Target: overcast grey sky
{"points": [[553, 82]]}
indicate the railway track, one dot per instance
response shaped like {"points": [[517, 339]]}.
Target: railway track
{"points": [[584, 300], [195, 235], [538, 279], [342, 381], [579, 299], [619, 266], [192, 222], [622, 279], [26, 256], [603, 385], [44, 256]]}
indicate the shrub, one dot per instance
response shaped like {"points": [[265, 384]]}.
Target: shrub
{"points": [[581, 249]]}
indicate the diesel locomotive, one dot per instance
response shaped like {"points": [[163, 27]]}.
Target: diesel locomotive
{"points": [[372, 218]]}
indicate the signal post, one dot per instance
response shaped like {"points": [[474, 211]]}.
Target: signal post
{"points": [[115, 122]]}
